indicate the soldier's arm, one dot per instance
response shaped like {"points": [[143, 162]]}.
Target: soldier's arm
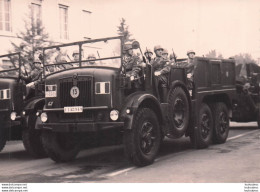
{"points": [[166, 68]]}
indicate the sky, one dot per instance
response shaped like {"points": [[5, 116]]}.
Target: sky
{"points": [[228, 26]]}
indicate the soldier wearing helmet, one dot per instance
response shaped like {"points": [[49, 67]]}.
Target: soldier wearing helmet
{"points": [[33, 78], [148, 54], [131, 62], [161, 68], [165, 54]]}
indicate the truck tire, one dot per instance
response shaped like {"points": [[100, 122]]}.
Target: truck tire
{"points": [[221, 123], [258, 119], [202, 135], [142, 142], [61, 147], [2, 138], [32, 139], [178, 112]]}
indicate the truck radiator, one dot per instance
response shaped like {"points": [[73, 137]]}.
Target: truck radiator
{"points": [[85, 96], [84, 99]]}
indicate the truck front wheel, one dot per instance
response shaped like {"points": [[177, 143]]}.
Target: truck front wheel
{"points": [[32, 139], [258, 119], [2, 138], [61, 147], [142, 142], [221, 123], [202, 134]]}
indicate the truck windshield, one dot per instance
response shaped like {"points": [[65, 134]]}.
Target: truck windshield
{"points": [[92, 53], [9, 65]]}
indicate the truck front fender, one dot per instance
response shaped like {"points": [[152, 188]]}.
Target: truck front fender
{"points": [[30, 111], [134, 102]]}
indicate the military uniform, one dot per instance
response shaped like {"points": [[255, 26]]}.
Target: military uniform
{"points": [[131, 64], [163, 66]]}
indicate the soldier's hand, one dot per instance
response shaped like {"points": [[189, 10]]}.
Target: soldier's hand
{"points": [[157, 73], [132, 77]]}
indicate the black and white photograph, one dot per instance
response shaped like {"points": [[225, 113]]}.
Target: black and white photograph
{"points": [[151, 94]]}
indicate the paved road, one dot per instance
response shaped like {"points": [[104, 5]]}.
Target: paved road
{"points": [[235, 161]]}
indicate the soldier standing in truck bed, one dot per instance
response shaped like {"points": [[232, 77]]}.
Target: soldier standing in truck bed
{"points": [[33, 78], [161, 68]]}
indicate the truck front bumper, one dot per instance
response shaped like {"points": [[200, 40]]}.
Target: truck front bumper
{"points": [[79, 127]]}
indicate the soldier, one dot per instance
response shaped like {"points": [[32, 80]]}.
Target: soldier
{"points": [[33, 79], [190, 64], [148, 54], [165, 54], [161, 68], [131, 62], [91, 57], [75, 56]]}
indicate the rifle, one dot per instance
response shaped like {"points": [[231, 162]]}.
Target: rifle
{"points": [[148, 57], [174, 56]]}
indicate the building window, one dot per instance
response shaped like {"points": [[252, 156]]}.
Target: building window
{"points": [[5, 15], [36, 16], [63, 22]]}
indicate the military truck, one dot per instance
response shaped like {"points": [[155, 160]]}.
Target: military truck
{"points": [[90, 99], [17, 114], [247, 102]]}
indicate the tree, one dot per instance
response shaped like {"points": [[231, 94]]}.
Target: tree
{"points": [[243, 58], [123, 30], [33, 39], [213, 54]]}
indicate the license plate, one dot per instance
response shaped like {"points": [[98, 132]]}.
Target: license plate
{"points": [[75, 109]]}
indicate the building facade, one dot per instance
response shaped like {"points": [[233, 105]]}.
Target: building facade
{"points": [[64, 20]]}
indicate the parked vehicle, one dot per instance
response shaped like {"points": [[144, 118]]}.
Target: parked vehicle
{"points": [[246, 106], [91, 99], [18, 114]]}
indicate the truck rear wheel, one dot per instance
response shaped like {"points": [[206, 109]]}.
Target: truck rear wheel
{"points": [[178, 112], [32, 139], [142, 142], [61, 147], [221, 123], [202, 135]]}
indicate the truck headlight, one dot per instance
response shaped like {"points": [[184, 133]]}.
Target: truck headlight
{"points": [[44, 117], [13, 116], [114, 114], [50, 90]]}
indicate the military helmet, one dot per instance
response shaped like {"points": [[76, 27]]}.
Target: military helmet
{"points": [[148, 51], [75, 52], [127, 47], [157, 47], [165, 51], [190, 51], [91, 55]]}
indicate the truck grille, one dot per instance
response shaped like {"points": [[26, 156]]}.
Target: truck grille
{"points": [[85, 96]]}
